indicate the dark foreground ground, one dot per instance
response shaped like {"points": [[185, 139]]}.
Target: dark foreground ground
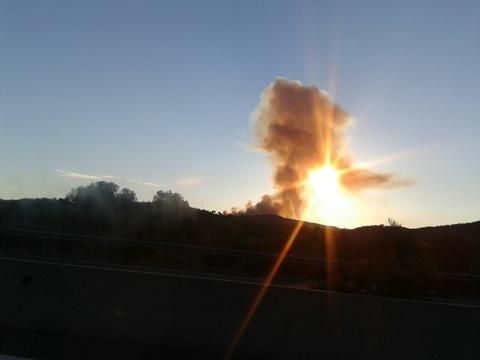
{"points": [[51, 311]]}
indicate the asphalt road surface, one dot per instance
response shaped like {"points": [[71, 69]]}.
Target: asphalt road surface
{"points": [[56, 310]]}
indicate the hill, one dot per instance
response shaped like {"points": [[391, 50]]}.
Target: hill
{"points": [[442, 261]]}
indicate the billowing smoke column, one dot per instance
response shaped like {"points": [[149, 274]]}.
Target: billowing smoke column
{"points": [[302, 129]]}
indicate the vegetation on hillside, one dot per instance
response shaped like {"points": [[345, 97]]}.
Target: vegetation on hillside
{"points": [[385, 260]]}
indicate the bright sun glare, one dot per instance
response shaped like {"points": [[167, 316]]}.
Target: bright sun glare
{"points": [[328, 203], [324, 183]]}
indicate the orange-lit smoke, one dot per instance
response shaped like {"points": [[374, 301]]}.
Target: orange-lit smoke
{"points": [[301, 129]]}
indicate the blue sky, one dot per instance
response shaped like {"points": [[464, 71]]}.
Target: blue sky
{"points": [[159, 95]]}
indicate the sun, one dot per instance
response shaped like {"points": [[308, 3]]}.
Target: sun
{"points": [[328, 204], [323, 184]]}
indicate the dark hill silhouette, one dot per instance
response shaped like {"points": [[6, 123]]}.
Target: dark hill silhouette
{"points": [[379, 259]]}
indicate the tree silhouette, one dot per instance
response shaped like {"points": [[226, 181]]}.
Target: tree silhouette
{"points": [[127, 196], [100, 192], [97, 192], [170, 199], [393, 223]]}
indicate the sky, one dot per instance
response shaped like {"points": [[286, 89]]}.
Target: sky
{"points": [[160, 95]]}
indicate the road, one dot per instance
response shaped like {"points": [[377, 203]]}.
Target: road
{"points": [[59, 310], [12, 237]]}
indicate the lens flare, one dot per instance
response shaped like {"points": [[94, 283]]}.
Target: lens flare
{"points": [[328, 202], [324, 185], [263, 290]]}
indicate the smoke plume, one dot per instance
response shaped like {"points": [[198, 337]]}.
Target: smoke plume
{"points": [[301, 129]]}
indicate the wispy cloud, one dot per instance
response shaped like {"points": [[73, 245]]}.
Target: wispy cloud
{"points": [[147, 183], [76, 175], [190, 181]]}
